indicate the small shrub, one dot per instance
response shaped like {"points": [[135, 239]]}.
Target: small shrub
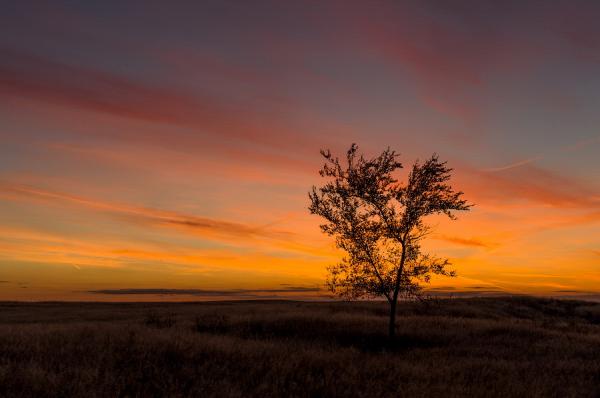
{"points": [[589, 312], [211, 323], [156, 320]]}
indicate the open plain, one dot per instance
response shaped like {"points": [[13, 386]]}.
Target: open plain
{"points": [[492, 347]]}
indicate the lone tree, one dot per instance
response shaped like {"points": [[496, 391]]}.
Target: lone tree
{"points": [[379, 223]]}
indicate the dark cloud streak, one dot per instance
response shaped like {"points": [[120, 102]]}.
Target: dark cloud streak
{"points": [[208, 293]]}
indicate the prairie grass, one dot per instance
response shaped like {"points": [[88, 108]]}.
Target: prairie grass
{"points": [[485, 347]]}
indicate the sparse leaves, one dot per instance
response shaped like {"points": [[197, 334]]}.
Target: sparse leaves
{"points": [[379, 222]]}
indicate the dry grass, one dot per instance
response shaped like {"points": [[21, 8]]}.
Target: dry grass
{"points": [[493, 347]]}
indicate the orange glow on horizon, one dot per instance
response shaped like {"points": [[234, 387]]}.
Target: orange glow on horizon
{"points": [[163, 155]]}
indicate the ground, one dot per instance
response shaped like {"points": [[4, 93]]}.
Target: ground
{"points": [[485, 347]]}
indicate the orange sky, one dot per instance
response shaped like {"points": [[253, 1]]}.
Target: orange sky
{"points": [[166, 152]]}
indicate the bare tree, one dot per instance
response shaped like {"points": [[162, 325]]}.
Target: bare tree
{"points": [[379, 223]]}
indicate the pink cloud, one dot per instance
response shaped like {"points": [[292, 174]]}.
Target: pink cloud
{"points": [[29, 76], [527, 182]]}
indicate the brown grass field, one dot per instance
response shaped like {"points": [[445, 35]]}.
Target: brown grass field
{"points": [[484, 347]]}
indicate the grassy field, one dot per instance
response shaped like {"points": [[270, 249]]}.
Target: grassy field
{"points": [[487, 347]]}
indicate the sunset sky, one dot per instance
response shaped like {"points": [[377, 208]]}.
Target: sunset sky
{"points": [[171, 145]]}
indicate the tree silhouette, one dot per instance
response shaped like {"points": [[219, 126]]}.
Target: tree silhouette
{"points": [[379, 223]]}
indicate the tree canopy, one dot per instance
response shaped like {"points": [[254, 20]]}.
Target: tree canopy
{"points": [[379, 222]]}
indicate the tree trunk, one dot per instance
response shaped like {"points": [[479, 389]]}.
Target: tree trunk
{"points": [[394, 301], [392, 325]]}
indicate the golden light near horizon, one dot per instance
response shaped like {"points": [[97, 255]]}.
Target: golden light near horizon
{"points": [[170, 158]]}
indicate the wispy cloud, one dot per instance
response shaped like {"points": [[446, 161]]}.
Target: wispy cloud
{"points": [[577, 145], [532, 183], [513, 165], [582, 144], [474, 242], [204, 226], [470, 293], [448, 51], [486, 287]]}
